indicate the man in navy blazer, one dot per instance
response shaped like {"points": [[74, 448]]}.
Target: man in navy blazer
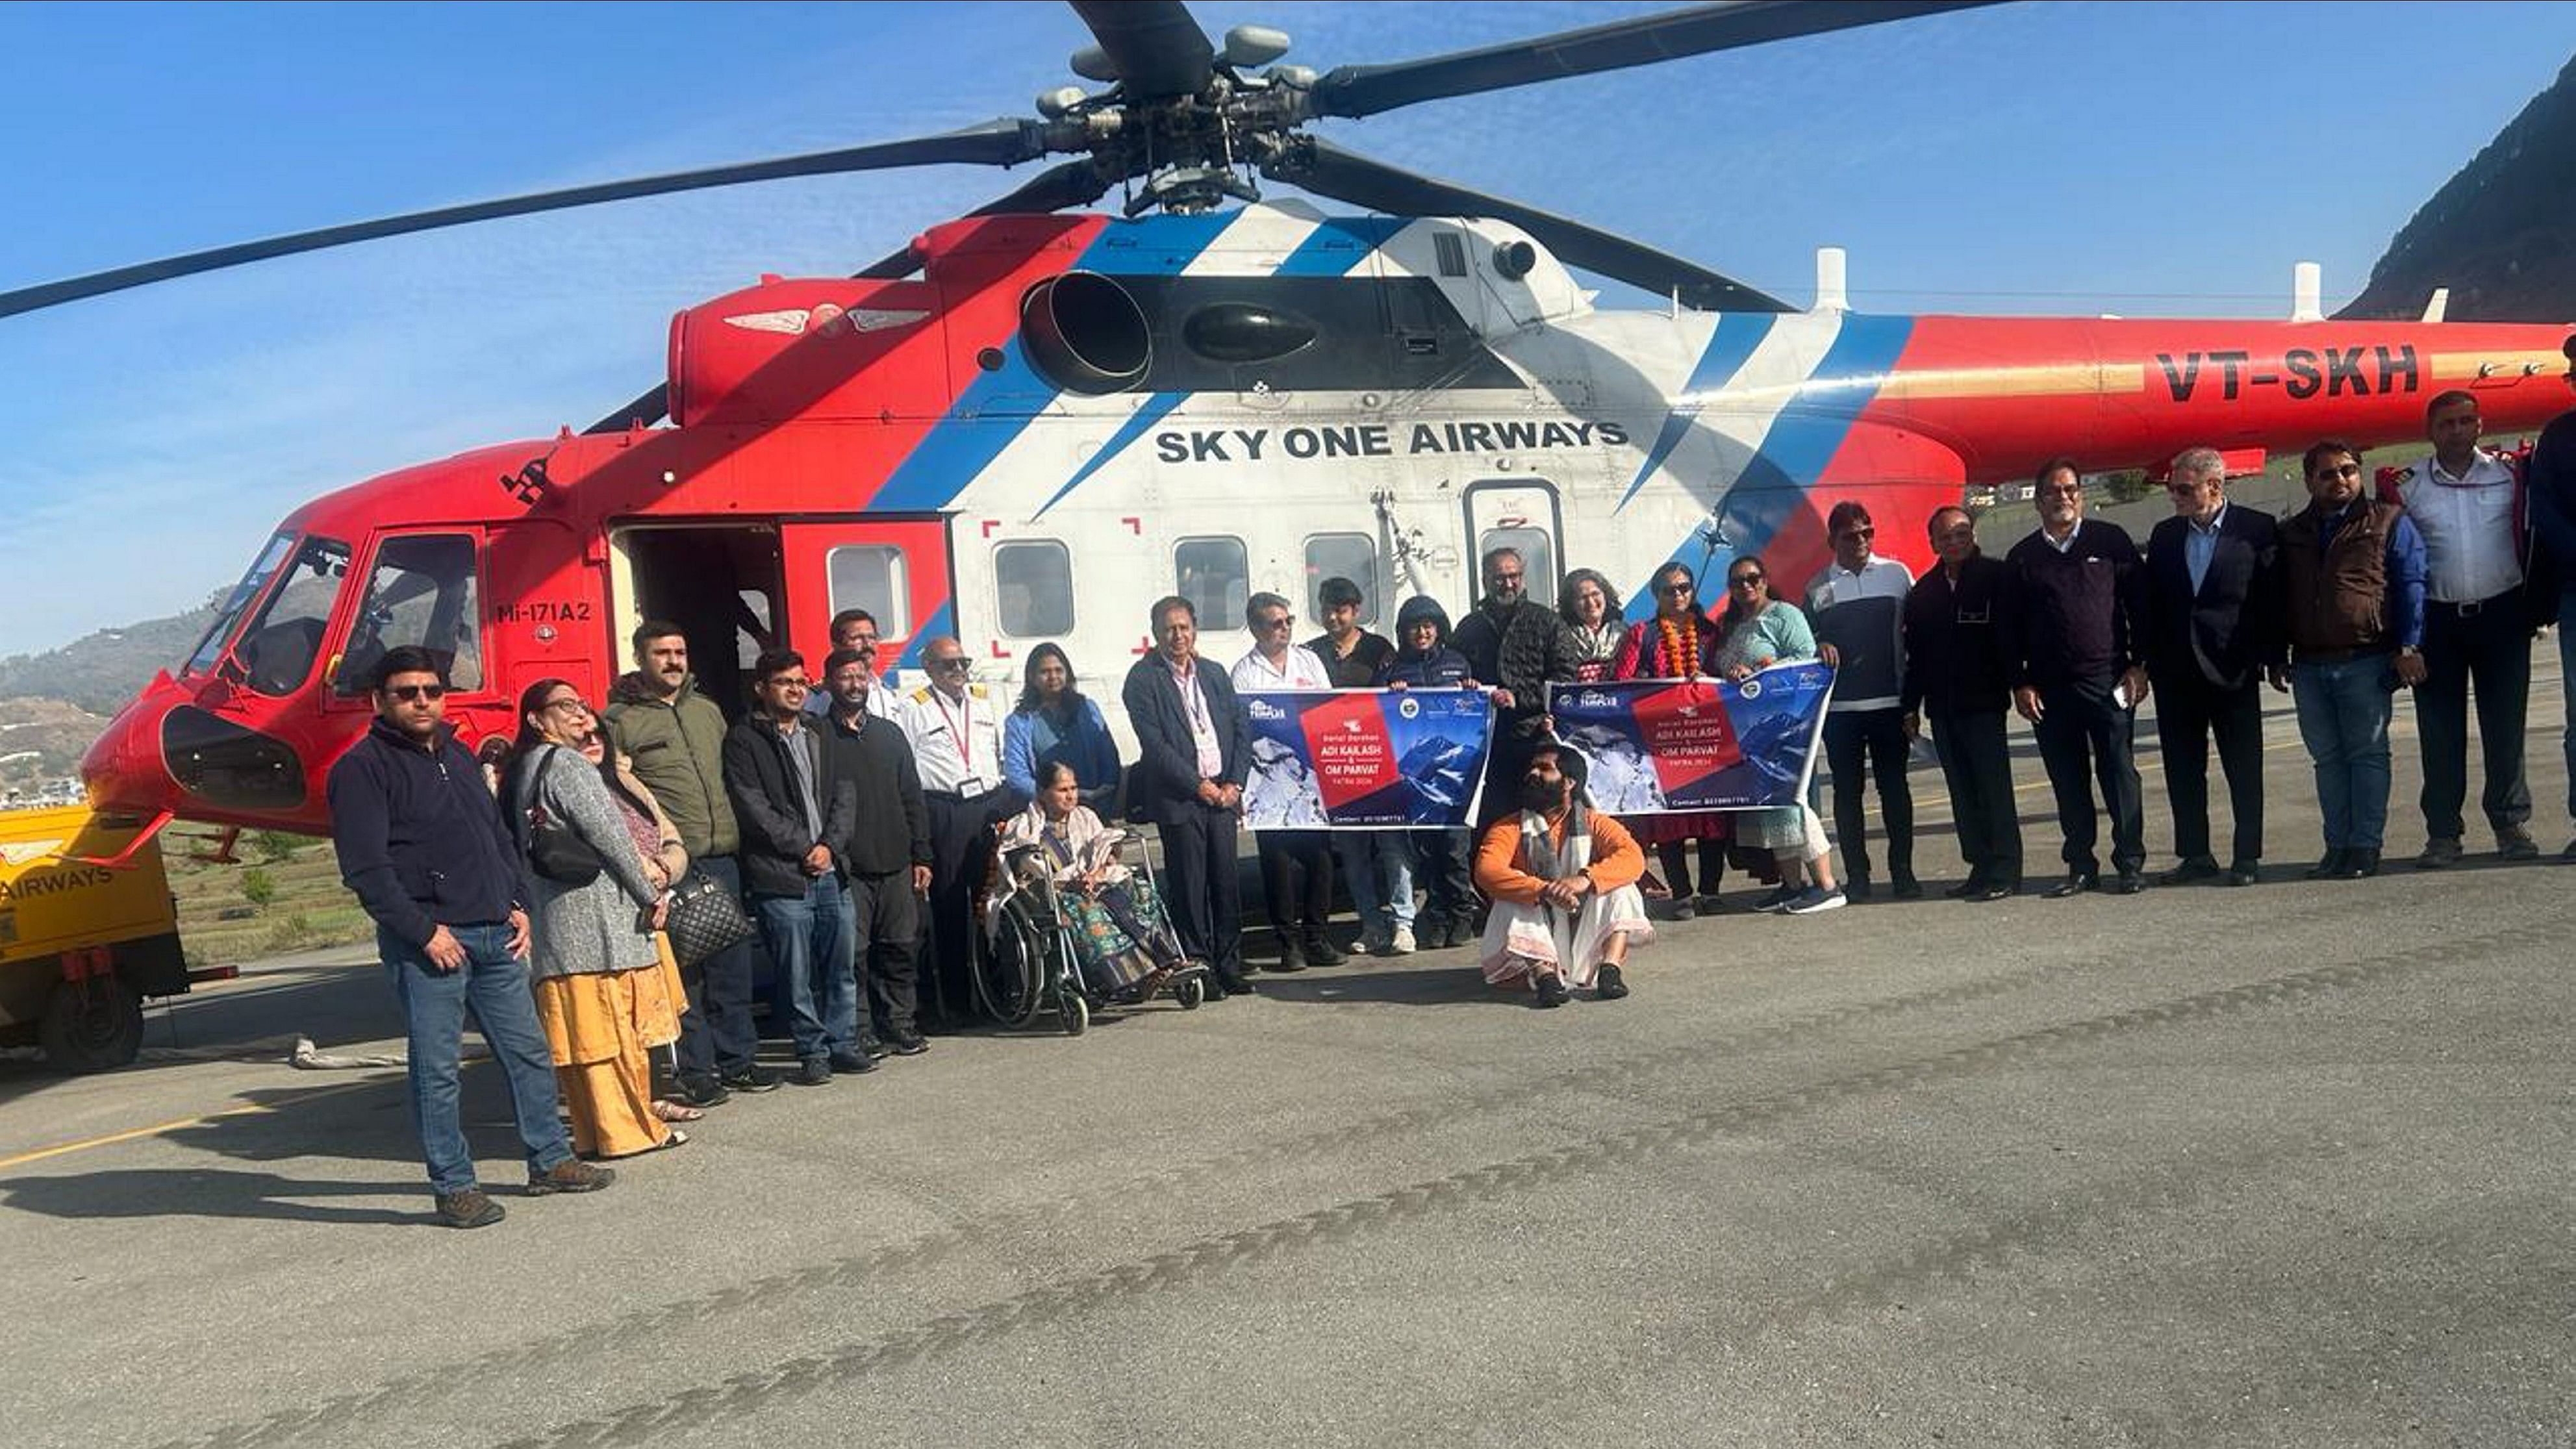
{"points": [[2213, 629], [1194, 746]]}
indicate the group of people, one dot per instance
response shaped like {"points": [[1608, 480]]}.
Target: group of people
{"points": [[858, 822]]}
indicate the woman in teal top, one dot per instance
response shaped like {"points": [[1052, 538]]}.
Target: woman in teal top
{"points": [[1758, 631]]}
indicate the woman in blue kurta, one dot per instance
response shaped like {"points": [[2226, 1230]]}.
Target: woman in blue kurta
{"points": [[1056, 724]]}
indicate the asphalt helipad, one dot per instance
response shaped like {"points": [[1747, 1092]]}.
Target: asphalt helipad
{"points": [[2285, 1165]]}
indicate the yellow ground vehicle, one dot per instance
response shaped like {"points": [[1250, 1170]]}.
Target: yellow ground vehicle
{"points": [[87, 931]]}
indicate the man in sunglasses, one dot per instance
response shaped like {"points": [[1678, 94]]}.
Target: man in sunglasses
{"points": [[2353, 573], [423, 844], [1857, 605], [1296, 865], [955, 726]]}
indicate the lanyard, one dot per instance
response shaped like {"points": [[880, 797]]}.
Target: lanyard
{"points": [[1194, 702], [957, 727]]}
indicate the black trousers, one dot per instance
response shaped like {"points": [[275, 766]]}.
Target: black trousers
{"points": [[1675, 855], [2492, 647], [889, 928], [1976, 762], [961, 857], [1444, 864], [717, 1033], [1877, 735], [2081, 732], [1297, 882], [1203, 888], [2189, 711]]}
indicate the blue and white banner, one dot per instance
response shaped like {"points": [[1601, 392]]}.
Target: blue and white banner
{"points": [[1365, 759], [1662, 746]]}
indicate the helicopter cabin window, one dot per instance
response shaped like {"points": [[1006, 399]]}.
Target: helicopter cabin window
{"points": [[1350, 556], [1451, 251], [1538, 557], [870, 576], [420, 593], [263, 569], [278, 650], [1212, 575], [1033, 588]]}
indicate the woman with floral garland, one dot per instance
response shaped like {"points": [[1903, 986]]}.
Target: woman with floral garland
{"points": [[1679, 642]]}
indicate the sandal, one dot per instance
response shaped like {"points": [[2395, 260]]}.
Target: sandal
{"points": [[669, 1111]]}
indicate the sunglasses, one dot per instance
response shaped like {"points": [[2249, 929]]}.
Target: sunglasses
{"points": [[413, 693], [1743, 581], [1858, 533], [958, 663], [1679, 588]]}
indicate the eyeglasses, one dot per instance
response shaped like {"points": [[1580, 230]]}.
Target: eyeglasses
{"points": [[1743, 581], [1679, 588], [1275, 621], [790, 682], [958, 662], [412, 693], [570, 704], [2340, 470], [1855, 533]]}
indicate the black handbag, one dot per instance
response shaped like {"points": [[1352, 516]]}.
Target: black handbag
{"points": [[704, 919], [555, 850]]}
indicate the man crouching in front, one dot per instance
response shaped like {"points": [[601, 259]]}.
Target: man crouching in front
{"points": [[1563, 881], [422, 842]]}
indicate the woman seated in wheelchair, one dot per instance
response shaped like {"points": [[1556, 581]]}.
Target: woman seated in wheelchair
{"points": [[1120, 935]]}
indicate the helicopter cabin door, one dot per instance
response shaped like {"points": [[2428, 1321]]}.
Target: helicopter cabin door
{"points": [[1518, 513], [895, 568]]}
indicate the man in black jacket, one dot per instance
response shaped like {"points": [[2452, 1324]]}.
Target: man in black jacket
{"points": [[2213, 626], [1514, 641], [887, 853], [1958, 661], [792, 812], [423, 844], [1194, 747], [2077, 679]]}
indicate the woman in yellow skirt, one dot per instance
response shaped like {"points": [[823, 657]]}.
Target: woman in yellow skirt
{"points": [[600, 868]]}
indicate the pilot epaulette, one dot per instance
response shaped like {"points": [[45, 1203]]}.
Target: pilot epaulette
{"points": [[920, 696]]}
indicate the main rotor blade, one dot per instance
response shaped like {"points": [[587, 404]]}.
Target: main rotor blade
{"points": [[1157, 48], [995, 143], [1328, 170], [1058, 188], [1365, 90]]}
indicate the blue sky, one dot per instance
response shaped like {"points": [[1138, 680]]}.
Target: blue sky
{"points": [[2036, 157]]}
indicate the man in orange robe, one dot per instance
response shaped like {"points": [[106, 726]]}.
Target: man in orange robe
{"points": [[1563, 881]]}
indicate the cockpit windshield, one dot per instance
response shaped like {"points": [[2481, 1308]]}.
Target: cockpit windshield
{"points": [[276, 652], [238, 602]]}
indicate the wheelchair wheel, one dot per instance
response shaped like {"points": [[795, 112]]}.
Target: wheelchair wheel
{"points": [[1191, 993], [1071, 1011], [1012, 975]]}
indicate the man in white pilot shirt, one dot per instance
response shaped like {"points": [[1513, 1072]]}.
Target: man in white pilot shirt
{"points": [[955, 727]]}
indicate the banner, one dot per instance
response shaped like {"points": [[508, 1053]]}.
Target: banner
{"points": [[1365, 759], [1661, 746]]}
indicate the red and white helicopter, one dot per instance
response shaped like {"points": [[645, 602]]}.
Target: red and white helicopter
{"points": [[1035, 420]]}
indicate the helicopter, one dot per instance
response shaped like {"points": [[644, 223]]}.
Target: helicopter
{"points": [[1037, 418]]}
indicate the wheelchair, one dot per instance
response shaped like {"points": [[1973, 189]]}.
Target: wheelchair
{"points": [[1031, 966]]}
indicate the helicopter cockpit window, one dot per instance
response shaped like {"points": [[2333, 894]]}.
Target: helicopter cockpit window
{"points": [[210, 649], [1033, 587], [870, 576], [1350, 556], [420, 592], [1538, 556], [1212, 575], [278, 650]]}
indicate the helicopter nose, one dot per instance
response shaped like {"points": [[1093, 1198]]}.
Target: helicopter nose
{"points": [[163, 751]]}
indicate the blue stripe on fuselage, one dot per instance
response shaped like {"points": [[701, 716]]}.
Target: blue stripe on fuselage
{"points": [[1729, 348], [940, 626], [1802, 441], [962, 445]]}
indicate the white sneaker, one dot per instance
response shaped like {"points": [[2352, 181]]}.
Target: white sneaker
{"points": [[1401, 944]]}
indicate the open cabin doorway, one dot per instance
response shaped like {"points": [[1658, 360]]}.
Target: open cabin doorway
{"points": [[723, 584]]}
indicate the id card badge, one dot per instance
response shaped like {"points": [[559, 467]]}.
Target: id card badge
{"points": [[972, 785]]}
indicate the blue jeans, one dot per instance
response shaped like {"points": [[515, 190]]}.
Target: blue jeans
{"points": [[2567, 683], [2344, 709], [810, 939], [495, 984], [1378, 867]]}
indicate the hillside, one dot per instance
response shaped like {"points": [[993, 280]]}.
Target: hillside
{"points": [[101, 672], [2501, 234]]}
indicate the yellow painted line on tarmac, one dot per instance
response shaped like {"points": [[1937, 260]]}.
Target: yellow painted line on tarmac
{"points": [[129, 1135]]}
